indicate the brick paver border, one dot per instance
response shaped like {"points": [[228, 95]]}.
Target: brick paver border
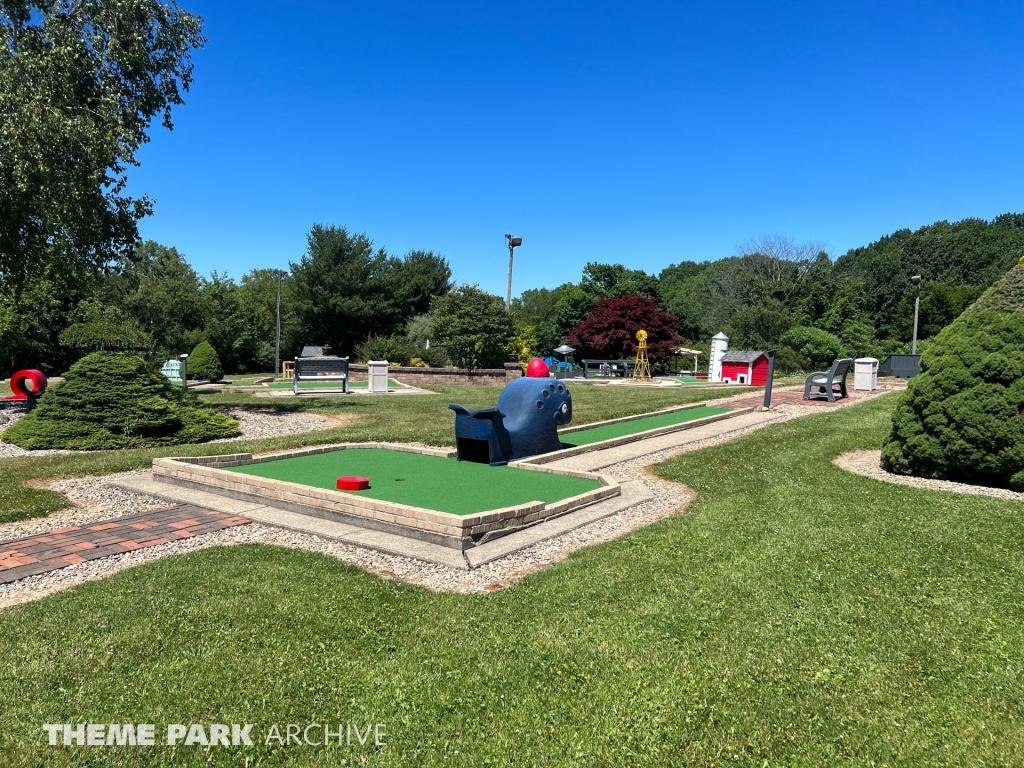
{"points": [[49, 551]]}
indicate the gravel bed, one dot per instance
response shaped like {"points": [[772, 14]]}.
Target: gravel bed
{"points": [[260, 423], [254, 423], [868, 464], [8, 415], [95, 500]]}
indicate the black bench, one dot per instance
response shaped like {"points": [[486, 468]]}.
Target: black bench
{"points": [[320, 369], [826, 381], [621, 368]]}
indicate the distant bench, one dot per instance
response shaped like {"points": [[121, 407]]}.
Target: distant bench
{"points": [[320, 369], [824, 383], [621, 368]]}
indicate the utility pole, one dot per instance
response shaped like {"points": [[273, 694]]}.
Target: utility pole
{"points": [[513, 243], [916, 280], [281, 275]]}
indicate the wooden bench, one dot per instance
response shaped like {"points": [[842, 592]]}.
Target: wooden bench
{"points": [[826, 381], [320, 369]]}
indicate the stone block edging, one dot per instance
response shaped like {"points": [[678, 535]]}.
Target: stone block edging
{"points": [[621, 419], [565, 453], [462, 531]]}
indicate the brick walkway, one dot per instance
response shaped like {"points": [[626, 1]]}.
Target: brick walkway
{"points": [[791, 397], [796, 397], [49, 551]]}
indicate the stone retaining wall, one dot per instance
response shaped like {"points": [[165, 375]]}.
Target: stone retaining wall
{"points": [[424, 377]]}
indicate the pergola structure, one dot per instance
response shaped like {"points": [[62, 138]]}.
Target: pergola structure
{"points": [[693, 354]]}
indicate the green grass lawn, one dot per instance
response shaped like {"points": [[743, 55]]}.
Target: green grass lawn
{"points": [[609, 431], [447, 485], [796, 616], [402, 419]]}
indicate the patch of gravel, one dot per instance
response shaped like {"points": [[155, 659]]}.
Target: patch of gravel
{"points": [[96, 499], [266, 423], [10, 413], [254, 423], [868, 464]]}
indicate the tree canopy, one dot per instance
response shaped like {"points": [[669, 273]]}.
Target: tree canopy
{"points": [[473, 326], [344, 290], [773, 293], [609, 332], [80, 84]]}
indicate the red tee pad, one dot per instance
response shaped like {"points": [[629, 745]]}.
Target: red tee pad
{"points": [[353, 483]]}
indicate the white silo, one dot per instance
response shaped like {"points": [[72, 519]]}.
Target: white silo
{"points": [[719, 346]]}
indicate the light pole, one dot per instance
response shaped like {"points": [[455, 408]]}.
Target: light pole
{"points": [[281, 275], [513, 243], [916, 280]]}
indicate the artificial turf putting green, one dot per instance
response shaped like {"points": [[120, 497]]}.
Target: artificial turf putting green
{"points": [[609, 431], [447, 485], [328, 385]]}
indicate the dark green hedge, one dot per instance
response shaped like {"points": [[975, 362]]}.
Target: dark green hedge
{"points": [[112, 400], [962, 418], [204, 363]]}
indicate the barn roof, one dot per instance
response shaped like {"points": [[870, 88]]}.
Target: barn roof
{"points": [[741, 357]]}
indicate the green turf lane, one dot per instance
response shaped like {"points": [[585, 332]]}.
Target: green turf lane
{"points": [[328, 385], [447, 485], [609, 431]]}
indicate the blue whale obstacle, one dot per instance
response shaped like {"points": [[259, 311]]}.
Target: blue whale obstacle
{"points": [[524, 423]]}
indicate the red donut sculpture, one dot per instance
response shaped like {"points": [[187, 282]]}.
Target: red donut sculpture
{"points": [[21, 392]]}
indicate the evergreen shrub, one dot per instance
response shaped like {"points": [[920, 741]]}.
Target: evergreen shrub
{"points": [[204, 363], [115, 400], [962, 418]]}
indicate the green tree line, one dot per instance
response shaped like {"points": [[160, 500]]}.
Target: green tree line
{"points": [[347, 293], [776, 293]]}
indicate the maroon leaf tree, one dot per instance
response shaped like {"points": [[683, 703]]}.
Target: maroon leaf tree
{"points": [[610, 330]]}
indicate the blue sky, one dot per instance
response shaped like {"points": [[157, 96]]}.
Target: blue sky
{"points": [[640, 133]]}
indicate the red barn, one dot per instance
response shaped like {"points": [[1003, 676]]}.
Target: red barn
{"points": [[745, 368]]}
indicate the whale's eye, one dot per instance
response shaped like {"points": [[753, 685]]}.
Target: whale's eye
{"points": [[545, 393], [540, 403], [565, 407]]}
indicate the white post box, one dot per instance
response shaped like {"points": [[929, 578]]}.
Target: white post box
{"points": [[865, 373], [378, 375]]}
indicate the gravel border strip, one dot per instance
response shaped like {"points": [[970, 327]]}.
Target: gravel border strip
{"points": [[868, 464]]}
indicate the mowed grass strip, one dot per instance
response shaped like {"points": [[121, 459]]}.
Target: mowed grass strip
{"points": [[797, 615], [609, 431], [445, 485]]}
